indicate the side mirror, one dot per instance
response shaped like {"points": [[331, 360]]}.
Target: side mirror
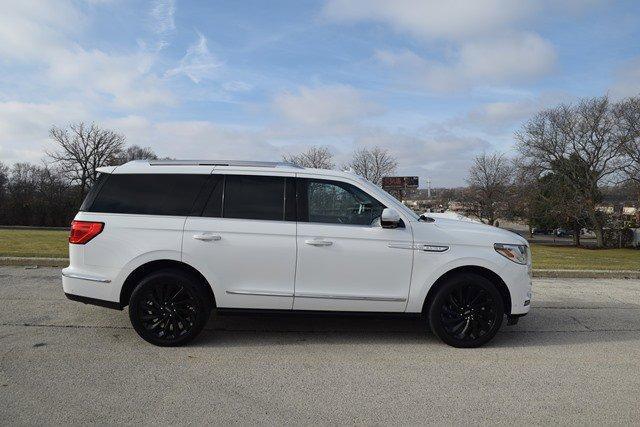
{"points": [[390, 218]]}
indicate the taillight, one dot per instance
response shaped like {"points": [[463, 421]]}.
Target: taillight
{"points": [[83, 231]]}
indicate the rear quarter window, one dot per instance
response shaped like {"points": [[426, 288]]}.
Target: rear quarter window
{"points": [[150, 194]]}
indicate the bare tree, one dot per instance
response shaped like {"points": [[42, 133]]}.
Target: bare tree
{"points": [[583, 143], [489, 180], [135, 152], [314, 157], [82, 149], [373, 164], [629, 113]]}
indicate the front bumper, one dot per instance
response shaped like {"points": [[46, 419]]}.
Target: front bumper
{"points": [[518, 279]]}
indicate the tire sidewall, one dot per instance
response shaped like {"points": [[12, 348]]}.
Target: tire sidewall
{"points": [[436, 306], [194, 286]]}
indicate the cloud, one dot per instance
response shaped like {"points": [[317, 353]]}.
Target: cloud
{"points": [[206, 139], [328, 105], [501, 116], [432, 19], [162, 13], [39, 34], [30, 29], [198, 63], [125, 79], [469, 43], [627, 79], [236, 86], [440, 155], [24, 127], [162, 21], [519, 58]]}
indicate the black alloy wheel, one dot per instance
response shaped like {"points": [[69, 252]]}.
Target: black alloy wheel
{"points": [[169, 308], [467, 311]]}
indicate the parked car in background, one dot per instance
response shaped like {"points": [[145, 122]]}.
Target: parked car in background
{"points": [[563, 232], [174, 240]]}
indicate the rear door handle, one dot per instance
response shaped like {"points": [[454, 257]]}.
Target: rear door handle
{"points": [[318, 242], [207, 237]]}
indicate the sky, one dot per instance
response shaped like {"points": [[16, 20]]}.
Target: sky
{"points": [[434, 82]]}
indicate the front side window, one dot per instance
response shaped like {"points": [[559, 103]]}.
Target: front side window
{"points": [[334, 202], [150, 194]]}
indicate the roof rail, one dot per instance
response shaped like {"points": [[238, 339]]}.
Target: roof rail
{"points": [[249, 163]]}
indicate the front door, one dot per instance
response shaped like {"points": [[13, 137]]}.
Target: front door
{"points": [[244, 242], [346, 260]]}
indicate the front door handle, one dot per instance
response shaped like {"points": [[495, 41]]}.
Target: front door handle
{"points": [[207, 237], [318, 242]]}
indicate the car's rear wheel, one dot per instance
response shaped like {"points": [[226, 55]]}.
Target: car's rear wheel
{"points": [[169, 307], [467, 311]]}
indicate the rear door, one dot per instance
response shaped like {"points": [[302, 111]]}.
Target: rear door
{"points": [[244, 240]]}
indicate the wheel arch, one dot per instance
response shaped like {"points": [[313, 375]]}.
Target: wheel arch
{"points": [[488, 274], [134, 277]]}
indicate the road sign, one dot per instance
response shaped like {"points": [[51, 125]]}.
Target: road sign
{"points": [[399, 182]]}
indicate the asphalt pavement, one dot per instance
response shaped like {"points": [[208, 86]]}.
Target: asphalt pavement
{"points": [[573, 359]]}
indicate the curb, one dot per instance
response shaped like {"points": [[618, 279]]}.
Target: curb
{"points": [[587, 274], [538, 273], [33, 261]]}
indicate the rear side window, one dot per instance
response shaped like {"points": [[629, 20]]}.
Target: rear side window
{"points": [[95, 189], [151, 194], [254, 197]]}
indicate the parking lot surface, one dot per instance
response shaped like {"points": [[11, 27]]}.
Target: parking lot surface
{"points": [[573, 359]]}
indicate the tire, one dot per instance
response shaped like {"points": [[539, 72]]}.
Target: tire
{"points": [[169, 308], [467, 311]]}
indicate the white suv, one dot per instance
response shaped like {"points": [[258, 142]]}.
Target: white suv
{"points": [[174, 240]]}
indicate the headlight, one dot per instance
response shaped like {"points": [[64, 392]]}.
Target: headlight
{"points": [[515, 253]]}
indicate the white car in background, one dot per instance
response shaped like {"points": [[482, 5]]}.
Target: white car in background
{"points": [[174, 240]]}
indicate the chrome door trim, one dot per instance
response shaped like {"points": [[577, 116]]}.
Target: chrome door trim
{"points": [[260, 293], [425, 247], [86, 277], [404, 245], [349, 297]]}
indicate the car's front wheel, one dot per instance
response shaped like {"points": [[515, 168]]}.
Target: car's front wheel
{"points": [[467, 311], [169, 308]]}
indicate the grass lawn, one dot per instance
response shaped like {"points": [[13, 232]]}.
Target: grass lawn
{"points": [[34, 243], [53, 243], [571, 258]]}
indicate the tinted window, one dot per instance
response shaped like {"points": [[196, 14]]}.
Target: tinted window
{"points": [[338, 203], [152, 194], [91, 195], [254, 197], [214, 202]]}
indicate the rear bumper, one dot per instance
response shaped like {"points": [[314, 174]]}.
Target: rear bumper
{"points": [[93, 301], [89, 288]]}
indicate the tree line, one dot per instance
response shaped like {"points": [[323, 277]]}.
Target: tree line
{"points": [[568, 156], [49, 194]]}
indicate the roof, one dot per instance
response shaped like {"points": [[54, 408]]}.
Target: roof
{"points": [[207, 166], [247, 163]]}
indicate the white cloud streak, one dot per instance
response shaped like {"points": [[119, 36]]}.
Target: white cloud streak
{"points": [[198, 63]]}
